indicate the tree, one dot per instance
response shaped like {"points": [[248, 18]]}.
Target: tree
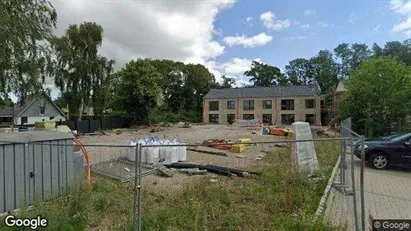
{"points": [[400, 50], [6, 102], [79, 70], [264, 75], [351, 57], [300, 71], [378, 94], [325, 71], [25, 27], [227, 82], [138, 90]]}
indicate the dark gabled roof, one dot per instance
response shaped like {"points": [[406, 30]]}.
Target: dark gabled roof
{"points": [[18, 109], [263, 92]]}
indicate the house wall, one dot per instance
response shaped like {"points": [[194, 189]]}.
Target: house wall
{"points": [[33, 113], [299, 109]]}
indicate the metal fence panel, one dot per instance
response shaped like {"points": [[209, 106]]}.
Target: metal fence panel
{"points": [[95, 125]]}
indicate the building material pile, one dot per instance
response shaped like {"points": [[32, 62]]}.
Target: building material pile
{"points": [[278, 131], [220, 170], [159, 154], [222, 144]]}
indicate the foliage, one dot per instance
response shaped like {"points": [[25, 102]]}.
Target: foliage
{"points": [[264, 75], [183, 87], [324, 71], [300, 71], [137, 89], [351, 57], [6, 102], [379, 93], [24, 57], [280, 199], [79, 70], [227, 82]]}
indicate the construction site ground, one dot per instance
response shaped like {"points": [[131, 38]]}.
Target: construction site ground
{"points": [[252, 157]]}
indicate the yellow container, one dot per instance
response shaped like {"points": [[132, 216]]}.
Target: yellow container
{"points": [[48, 125], [237, 148], [243, 141]]}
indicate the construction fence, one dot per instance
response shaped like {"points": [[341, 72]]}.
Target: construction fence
{"points": [[164, 165]]}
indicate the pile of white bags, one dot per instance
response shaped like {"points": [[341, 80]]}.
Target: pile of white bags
{"points": [[159, 153]]}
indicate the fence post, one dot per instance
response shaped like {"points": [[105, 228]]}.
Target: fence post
{"points": [[353, 183], [362, 185], [140, 165], [136, 186]]}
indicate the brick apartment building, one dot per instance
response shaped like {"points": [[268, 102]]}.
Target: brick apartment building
{"points": [[278, 105]]}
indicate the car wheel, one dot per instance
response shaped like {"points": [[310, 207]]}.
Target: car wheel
{"points": [[379, 161]]}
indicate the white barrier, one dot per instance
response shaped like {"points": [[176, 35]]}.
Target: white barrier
{"points": [[159, 154]]}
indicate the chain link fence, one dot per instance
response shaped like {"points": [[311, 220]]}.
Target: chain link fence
{"points": [[214, 186], [346, 204]]}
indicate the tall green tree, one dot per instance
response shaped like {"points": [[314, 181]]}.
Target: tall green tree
{"points": [[325, 71], [79, 70], [227, 82], [400, 50], [25, 27], [300, 71], [378, 94], [137, 89], [351, 57], [264, 75]]}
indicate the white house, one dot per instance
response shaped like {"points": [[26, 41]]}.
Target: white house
{"points": [[36, 109]]}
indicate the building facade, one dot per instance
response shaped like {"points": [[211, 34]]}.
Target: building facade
{"points": [[36, 109], [278, 105]]}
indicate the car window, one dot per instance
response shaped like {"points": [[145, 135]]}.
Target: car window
{"points": [[401, 137]]}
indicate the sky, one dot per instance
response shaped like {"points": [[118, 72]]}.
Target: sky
{"points": [[226, 35]]}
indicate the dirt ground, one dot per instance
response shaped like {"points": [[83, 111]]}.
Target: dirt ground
{"points": [[254, 154]]}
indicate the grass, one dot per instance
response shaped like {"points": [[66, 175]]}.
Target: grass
{"points": [[281, 199]]}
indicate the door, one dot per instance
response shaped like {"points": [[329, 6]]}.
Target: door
{"points": [[230, 118], [406, 153]]}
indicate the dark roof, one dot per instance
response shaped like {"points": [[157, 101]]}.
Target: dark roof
{"points": [[262, 92]]}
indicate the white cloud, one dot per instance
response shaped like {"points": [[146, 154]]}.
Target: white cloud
{"points": [[234, 68], [305, 26], [177, 30], [296, 22], [323, 24], [248, 19], [298, 37], [268, 21], [376, 28], [402, 8], [248, 42], [309, 12]]}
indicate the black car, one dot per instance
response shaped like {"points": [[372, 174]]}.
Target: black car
{"points": [[388, 151]]}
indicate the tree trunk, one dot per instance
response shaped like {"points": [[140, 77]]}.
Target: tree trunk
{"points": [[80, 110]]}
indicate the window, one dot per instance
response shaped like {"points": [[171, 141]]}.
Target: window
{"points": [[230, 118], [213, 105], [248, 105], [287, 104], [213, 118], [309, 104], [248, 116], [23, 120], [287, 119], [51, 117], [267, 118], [267, 104], [42, 110], [310, 118], [230, 104]]}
